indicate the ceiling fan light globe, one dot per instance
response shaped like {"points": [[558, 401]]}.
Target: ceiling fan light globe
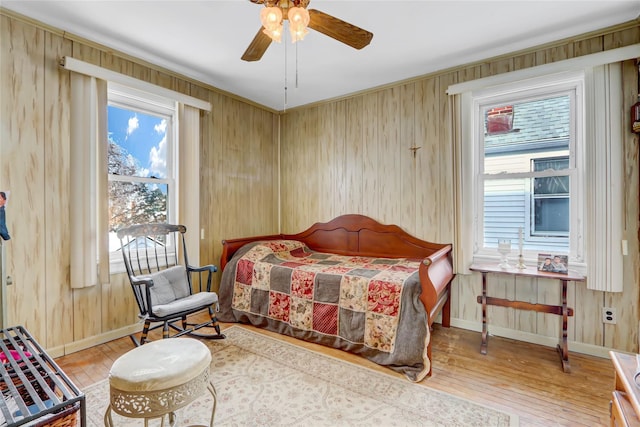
{"points": [[297, 35], [275, 34], [298, 16], [298, 21], [271, 17]]}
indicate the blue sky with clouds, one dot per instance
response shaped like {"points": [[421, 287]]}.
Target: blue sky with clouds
{"points": [[143, 136]]}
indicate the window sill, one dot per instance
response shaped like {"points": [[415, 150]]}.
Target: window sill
{"points": [[529, 260]]}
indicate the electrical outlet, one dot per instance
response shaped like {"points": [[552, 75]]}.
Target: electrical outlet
{"points": [[609, 315]]}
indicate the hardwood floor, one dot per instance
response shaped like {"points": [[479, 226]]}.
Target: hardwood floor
{"points": [[516, 377]]}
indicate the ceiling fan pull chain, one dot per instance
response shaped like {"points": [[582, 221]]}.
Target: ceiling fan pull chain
{"points": [[296, 65], [285, 75]]}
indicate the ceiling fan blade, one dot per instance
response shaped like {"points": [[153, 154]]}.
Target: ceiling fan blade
{"points": [[338, 29], [257, 47]]}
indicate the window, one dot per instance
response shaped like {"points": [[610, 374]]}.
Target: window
{"points": [[140, 162], [550, 207], [528, 147], [594, 150], [93, 89]]}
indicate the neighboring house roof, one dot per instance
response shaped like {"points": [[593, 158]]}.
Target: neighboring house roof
{"points": [[540, 124]]}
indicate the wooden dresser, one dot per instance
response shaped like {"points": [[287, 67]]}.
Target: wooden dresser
{"points": [[625, 400]]}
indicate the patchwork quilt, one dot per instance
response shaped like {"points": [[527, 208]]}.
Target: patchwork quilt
{"points": [[368, 306]]}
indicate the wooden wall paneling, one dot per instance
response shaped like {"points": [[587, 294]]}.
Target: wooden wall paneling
{"points": [[339, 176], [391, 152], [354, 155], [326, 164], [588, 46], [526, 60], [115, 63], [223, 189], [56, 87], [370, 165], [501, 286], [288, 161], [500, 66], [555, 53], [300, 183], [265, 173], [287, 134], [423, 129], [23, 166], [119, 305], [526, 289], [588, 315], [464, 292], [549, 292], [306, 195], [621, 38], [408, 161], [238, 173], [623, 335]]}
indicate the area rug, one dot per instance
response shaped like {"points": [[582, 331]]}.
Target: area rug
{"points": [[262, 381]]}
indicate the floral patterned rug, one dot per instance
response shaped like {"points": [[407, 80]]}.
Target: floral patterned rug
{"points": [[262, 381]]}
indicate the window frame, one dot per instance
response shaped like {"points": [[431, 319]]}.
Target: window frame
{"points": [[148, 103], [513, 93]]}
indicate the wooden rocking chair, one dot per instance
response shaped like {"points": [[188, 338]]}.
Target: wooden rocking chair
{"points": [[155, 256]]}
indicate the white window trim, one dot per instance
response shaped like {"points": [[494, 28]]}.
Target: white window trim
{"points": [[570, 83], [88, 69]]}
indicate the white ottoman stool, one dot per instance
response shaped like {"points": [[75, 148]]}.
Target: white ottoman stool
{"points": [[158, 378]]}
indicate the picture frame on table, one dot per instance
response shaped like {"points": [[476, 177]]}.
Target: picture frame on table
{"points": [[553, 263]]}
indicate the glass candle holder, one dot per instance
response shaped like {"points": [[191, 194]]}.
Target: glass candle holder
{"points": [[504, 249]]}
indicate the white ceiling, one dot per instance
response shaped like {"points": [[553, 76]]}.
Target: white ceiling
{"points": [[204, 40]]}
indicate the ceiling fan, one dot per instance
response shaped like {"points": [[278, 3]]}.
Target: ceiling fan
{"points": [[331, 26]]}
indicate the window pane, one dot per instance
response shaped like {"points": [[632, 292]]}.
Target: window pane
{"points": [[551, 216], [505, 209], [135, 203], [137, 143], [553, 164], [540, 128], [551, 185], [143, 243]]}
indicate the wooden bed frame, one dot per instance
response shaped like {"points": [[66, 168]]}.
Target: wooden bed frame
{"points": [[364, 236]]}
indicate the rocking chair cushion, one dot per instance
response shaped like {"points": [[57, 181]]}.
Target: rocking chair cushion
{"points": [[169, 285], [199, 300]]}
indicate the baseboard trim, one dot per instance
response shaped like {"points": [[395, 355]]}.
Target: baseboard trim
{"points": [[93, 341], [578, 347]]}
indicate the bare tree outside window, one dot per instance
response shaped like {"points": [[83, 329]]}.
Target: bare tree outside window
{"points": [[138, 156]]}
